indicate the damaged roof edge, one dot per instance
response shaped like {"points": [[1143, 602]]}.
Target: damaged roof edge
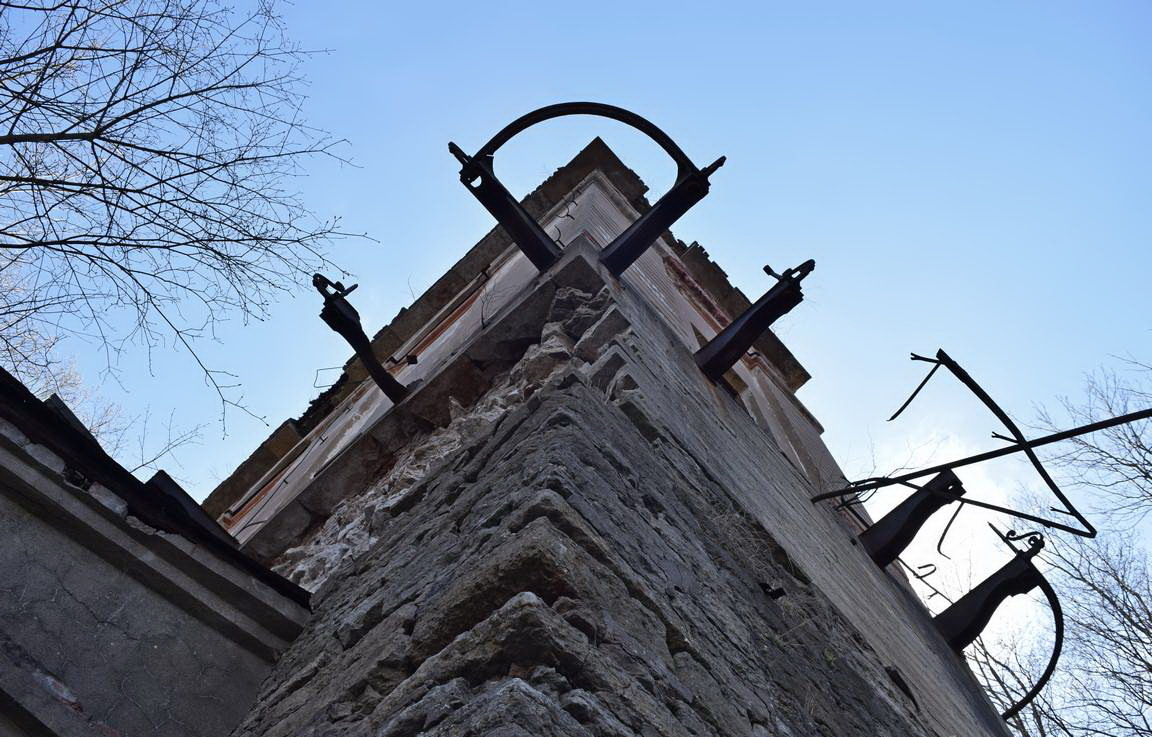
{"points": [[160, 503], [595, 156]]}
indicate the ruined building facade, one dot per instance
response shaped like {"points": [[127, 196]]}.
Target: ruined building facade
{"points": [[565, 529]]}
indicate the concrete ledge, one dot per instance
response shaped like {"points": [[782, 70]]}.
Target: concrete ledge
{"points": [[111, 620]]}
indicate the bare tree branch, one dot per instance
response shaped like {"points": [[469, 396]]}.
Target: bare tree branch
{"points": [[146, 153], [1103, 686]]}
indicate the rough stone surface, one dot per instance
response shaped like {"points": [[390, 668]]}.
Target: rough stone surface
{"points": [[586, 551], [513, 609], [595, 157]]}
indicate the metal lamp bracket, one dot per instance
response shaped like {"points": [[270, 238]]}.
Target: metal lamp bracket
{"points": [[963, 622], [478, 176], [730, 344], [1018, 444], [885, 540], [342, 317]]}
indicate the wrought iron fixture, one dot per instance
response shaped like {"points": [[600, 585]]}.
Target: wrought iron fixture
{"points": [[477, 174], [342, 317], [723, 351], [1019, 444], [885, 540], [963, 622]]}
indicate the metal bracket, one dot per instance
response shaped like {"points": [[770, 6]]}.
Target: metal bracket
{"points": [[963, 622], [1017, 436], [1019, 444], [723, 351], [477, 174], [885, 540], [343, 318]]}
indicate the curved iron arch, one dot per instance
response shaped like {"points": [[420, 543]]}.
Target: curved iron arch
{"points": [[684, 165], [962, 622], [1057, 646], [478, 176]]}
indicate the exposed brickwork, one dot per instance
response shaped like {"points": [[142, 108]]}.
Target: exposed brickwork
{"points": [[596, 156], [584, 566]]}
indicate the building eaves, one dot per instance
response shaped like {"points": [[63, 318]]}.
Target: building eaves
{"points": [[160, 503], [595, 156]]}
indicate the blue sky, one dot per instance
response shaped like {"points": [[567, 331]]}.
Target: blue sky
{"points": [[970, 176]]}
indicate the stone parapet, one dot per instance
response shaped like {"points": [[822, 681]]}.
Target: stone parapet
{"points": [[599, 542]]}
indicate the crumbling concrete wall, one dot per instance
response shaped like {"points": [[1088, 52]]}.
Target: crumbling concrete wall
{"points": [[620, 551], [115, 650], [110, 627]]}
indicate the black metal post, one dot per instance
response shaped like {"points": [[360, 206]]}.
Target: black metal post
{"points": [[885, 540], [643, 232], [477, 175], [723, 351], [963, 622], [343, 318]]}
